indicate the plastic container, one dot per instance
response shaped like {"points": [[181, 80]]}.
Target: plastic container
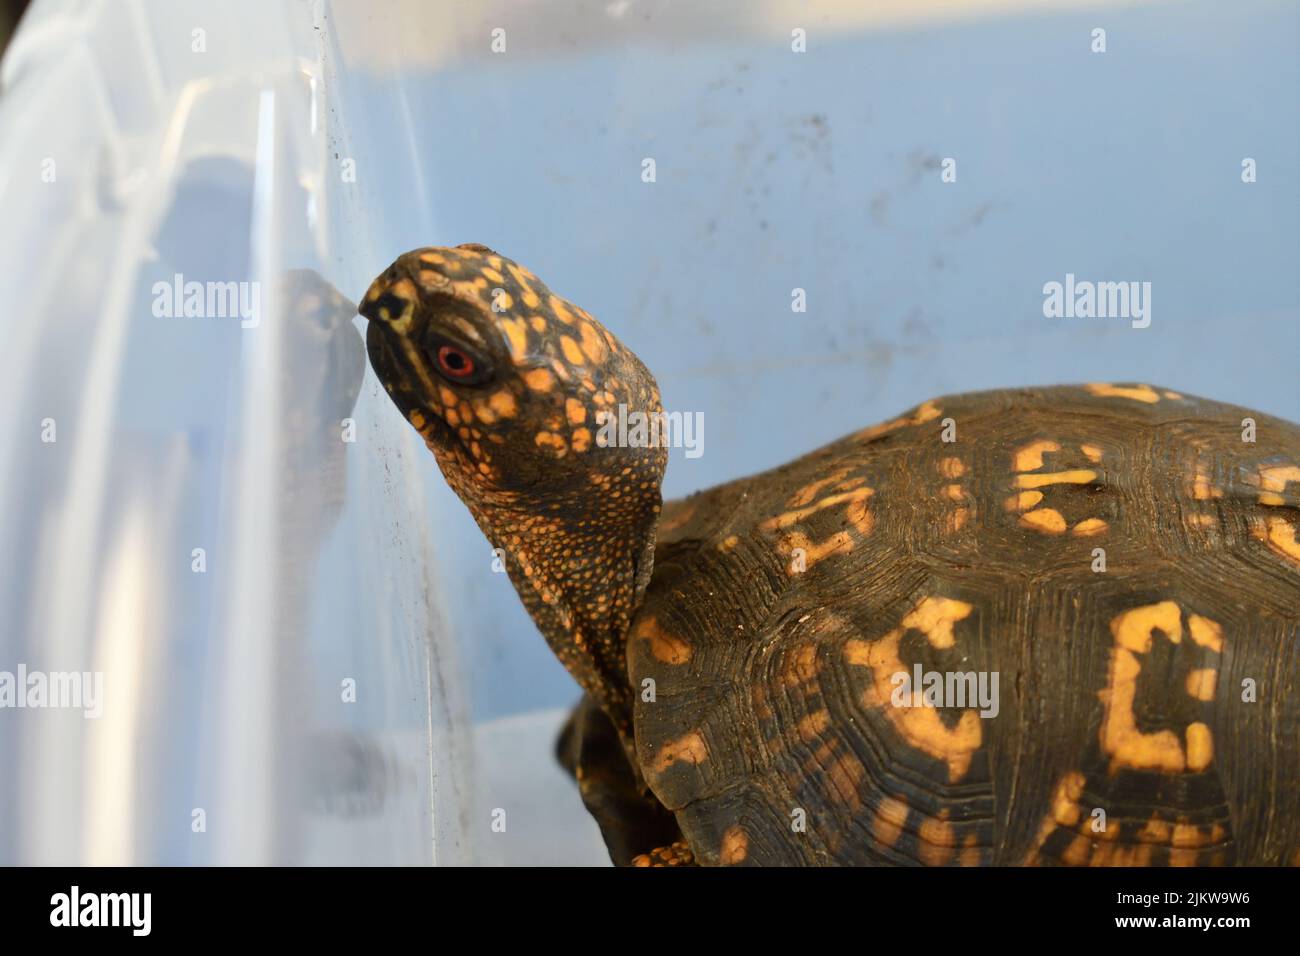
{"points": [[306, 654]]}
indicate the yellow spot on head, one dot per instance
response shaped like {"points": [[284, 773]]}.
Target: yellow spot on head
{"points": [[575, 411], [592, 344], [560, 309], [581, 439], [554, 442], [539, 380], [571, 350], [517, 336], [503, 404]]}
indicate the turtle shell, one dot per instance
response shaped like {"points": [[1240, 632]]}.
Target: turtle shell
{"points": [[1105, 581]]}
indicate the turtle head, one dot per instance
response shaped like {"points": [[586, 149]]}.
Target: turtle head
{"points": [[517, 393]]}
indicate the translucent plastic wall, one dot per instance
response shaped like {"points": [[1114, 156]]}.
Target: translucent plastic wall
{"points": [[306, 653]]}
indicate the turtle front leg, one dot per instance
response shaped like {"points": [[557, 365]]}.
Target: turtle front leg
{"points": [[632, 822]]}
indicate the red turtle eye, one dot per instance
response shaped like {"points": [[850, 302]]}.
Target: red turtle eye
{"points": [[454, 363]]}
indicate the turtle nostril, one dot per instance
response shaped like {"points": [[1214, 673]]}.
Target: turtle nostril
{"points": [[385, 308]]}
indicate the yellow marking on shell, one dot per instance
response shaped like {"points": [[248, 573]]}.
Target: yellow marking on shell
{"points": [[957, 520], [1091, 452], [432, 258], [1205, 632], [921, 727], [593, 346], [503, 404], [1132, 630], [1203, 490], [553, 441], [689, 748], [924, 413], [887, 825], [1077, 476], [492, 274], [1200, 521], [539, 379], [809, 491], [1137, 393], [1030, 457], [581, 439], [1273, 480], [838, 543], [935, 617], [664, 647], [951, 468], [1076, 854], [1156, 831], [571, 350], [1280, 535], [1201, 683], [729, 542], [735, 846], [954, 493], [800, 666], [1200, 747], [938, 840], [1065, 799], [1121, 738], [1089, 527], [1024, 500], [575, 411], [811, 726], [841, 777], [797, 515], [538, 323], [560, 309], [1047, 520], [1170, 393], [970, 854], [517, 337]]}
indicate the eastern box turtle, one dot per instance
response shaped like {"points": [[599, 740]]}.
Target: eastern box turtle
{"points": [[1035, 625]]}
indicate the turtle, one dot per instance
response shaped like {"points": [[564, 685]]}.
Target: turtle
{"points": [[1030, 626]]}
